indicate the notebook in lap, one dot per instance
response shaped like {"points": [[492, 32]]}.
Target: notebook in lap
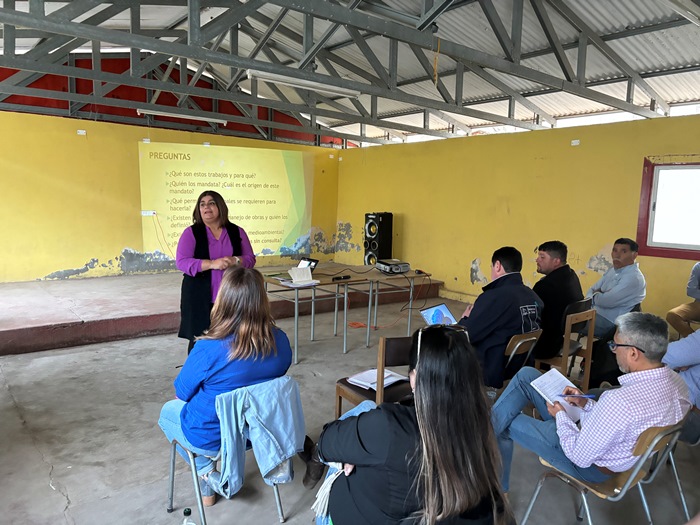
{"points": [[438, 314]]}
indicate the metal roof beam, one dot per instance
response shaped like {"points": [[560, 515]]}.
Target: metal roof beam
{"points": [[571, 17], [369, 55], [435, 11], [439, 85], [497, 83], [551, 34], [390, 29], [498, 28]]}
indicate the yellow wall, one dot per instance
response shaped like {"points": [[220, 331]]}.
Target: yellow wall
{"points": [[460, 199], [70, 199]]}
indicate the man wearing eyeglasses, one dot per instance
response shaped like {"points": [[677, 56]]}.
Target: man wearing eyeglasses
{"points": [[505, 308], [620, 289], [650, 395]]}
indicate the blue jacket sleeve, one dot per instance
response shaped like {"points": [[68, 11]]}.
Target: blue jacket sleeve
{"points": [[684, 352], [693, 289]]}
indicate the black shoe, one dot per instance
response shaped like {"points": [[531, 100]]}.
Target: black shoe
{"points": [[314, 469]]}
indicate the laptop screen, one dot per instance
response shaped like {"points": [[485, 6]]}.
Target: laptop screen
{"points": [[306, 262], [438, 314]]}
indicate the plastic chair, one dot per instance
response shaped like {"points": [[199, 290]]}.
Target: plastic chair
{"points": [[576, 316], [393, 351], [653, 446]]}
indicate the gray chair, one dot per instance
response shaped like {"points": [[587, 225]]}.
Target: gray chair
{"points": [[672, 461], [294, 405]]}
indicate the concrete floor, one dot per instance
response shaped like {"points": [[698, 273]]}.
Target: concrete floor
{"points": [[80, 443]]}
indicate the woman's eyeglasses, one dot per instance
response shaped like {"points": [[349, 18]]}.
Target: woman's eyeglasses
{"points": [[451, 329], [613, 346]]}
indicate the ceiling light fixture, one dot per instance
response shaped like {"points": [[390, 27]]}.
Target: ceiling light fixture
{"points": [[302, 84], [155, 113]]}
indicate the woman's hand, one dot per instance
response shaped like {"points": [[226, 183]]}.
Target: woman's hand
{"points": [[222, 263]]}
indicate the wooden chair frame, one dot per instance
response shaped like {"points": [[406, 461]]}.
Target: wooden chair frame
{"points": [[392, 351], [567, 352]]}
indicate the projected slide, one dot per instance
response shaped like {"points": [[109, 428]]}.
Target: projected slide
{"points": [[266, 191]]}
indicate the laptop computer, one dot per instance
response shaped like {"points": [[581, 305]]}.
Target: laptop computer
{"points": [[438, 314], [306, 262]]}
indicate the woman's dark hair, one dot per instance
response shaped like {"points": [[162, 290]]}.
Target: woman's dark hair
{"points": [[220, 203], [243, 311], [459, 458]]}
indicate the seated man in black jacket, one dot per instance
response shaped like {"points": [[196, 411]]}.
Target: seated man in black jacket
{"points": [[506, 308], [558, 288]]}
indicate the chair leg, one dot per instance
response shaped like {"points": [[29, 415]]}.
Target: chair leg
{"points": [[586, 509], [278, 501], [532, 500], [678, 484], [197, 491], [171, 477], [645, 504], [338, 405]]}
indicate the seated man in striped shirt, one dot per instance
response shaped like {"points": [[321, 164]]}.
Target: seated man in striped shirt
{"points": [[650, 395]]}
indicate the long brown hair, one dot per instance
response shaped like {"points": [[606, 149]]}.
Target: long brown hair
{"points": [[458, 453], [242, 310]]}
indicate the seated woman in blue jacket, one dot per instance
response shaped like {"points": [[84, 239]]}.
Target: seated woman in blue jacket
{"points": [[243, 347], [435, 462]]}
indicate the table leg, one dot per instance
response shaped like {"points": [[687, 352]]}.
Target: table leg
{"points": [[410, 307], [369, 312], [376, 304], [345, 319], [313, 310], [296, 325], [335, 317]]}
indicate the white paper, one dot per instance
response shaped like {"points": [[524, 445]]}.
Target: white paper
{"points": [[368, 379], [550, 385], [300, 275]]}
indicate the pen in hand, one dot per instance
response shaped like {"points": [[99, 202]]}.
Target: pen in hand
{"points": [[582, 396]]}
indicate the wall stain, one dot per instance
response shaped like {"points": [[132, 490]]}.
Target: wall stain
{"points": [[475, 275], [72, 272], [131, 261], [599, 263], [342, 239]]}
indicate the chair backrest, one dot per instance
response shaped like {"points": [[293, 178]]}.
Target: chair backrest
{"points": [[522, 344], [576, 308], [655, 443], [393, 351]]}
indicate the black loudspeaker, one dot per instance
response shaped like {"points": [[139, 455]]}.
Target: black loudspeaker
{"points": [[378, 227]]}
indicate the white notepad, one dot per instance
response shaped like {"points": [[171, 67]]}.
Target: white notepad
{"points": [[550, 385], [368, 379]]}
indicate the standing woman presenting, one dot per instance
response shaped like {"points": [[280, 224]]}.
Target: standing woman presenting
{"points": [[207, 248]]}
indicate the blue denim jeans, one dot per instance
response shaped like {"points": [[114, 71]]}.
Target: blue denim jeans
{"points": [[169, 422], [530, 433], [365, 406]]}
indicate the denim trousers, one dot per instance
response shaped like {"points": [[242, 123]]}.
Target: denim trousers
{"points": [[169, 422], [365, 406], [539, 436]]}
